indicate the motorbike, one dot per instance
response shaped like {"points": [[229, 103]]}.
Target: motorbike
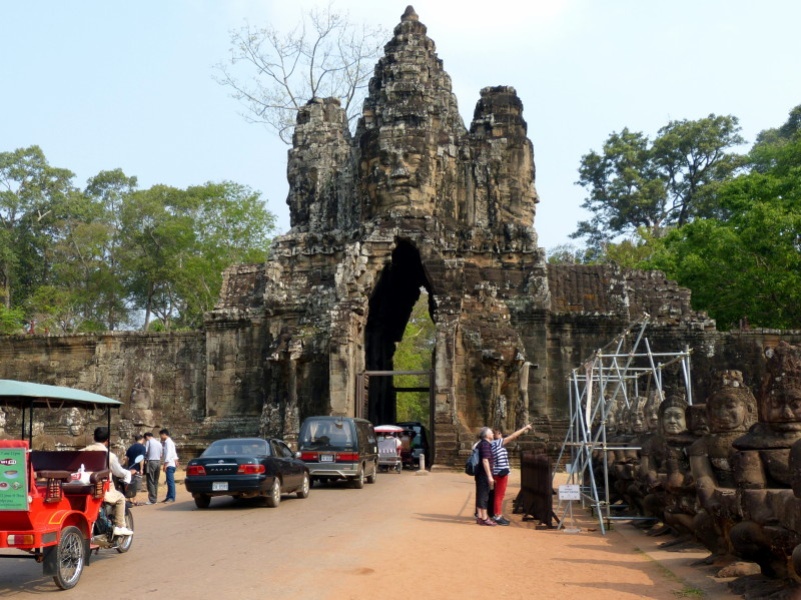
{"points": [[103, 529]]}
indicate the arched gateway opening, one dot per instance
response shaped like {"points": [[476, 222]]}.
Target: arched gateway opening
{"points": [[394, 297]]}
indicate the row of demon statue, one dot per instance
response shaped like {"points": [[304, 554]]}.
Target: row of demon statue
{"points": [[727, 472]]}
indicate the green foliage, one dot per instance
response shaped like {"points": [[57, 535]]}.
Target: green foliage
{"points": [[180, 241], [97, 259], [54, 309], [746, 268], [413, 353], [633, 252], [634, 183], [32, 196], [11, 320]]}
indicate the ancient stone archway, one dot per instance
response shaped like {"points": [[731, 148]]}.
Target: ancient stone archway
{"points": [[395, 294]]}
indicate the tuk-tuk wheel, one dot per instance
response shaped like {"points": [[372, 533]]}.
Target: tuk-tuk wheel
{"points": [[126, 542], [71, 558]]}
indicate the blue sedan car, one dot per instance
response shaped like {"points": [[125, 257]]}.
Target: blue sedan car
{"points": [[246, 468]]}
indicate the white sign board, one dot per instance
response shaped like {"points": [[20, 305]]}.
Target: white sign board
{"points": [[569, 492]]}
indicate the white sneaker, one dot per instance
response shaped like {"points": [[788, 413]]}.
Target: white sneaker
{"points": [[122, 531]]}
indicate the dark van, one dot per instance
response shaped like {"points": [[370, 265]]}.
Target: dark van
{"points": [[339, 448]]}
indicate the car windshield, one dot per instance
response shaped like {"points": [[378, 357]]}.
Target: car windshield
{"points": [[326, 434], [237, 448]]}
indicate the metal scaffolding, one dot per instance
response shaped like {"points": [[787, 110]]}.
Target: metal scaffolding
{"points": [[613, 374]]}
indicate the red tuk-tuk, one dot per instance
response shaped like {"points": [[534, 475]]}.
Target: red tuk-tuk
{"points": [[47, 511]]}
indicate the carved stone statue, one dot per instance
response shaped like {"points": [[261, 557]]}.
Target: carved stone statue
{"points": [[762, 470], [627, 465], [651, 456], [142, 401], [617, 439], [679, 484], [731, 410], [651, 410], [610, 423], [696, 419]]}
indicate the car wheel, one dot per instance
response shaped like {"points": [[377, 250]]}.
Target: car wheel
{"points": [[202, 501], [126, 542], [372, 478], [71, 558], [303, 491], [358, 481], [274, 497]]}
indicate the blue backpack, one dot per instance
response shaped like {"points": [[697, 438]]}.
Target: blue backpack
{"points": [[471, 466]]}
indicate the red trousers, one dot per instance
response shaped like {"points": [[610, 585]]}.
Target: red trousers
{"points": [[498, 494]]}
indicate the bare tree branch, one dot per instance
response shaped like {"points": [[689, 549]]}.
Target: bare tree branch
{"points": [[272, 74]]}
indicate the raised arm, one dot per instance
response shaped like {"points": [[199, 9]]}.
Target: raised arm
{"points": [[517, 433]]}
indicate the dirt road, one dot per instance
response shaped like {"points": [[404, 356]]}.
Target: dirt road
{"points": [[407, 536]]}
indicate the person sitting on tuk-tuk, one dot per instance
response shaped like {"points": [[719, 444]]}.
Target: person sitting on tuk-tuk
{"points": [[112, 496], [392, 441]]}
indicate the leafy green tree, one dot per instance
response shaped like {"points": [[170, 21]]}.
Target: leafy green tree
{"points": [[413, 353], [55, 309], [156, 237], [634, 183], [12, 320], [746, 268], [32, 195], [231, 225], [109, 191], [178, 242], [93, 260]]}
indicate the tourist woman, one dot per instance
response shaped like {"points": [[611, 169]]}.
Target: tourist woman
{"points": [[500, 471], [484, 479]]}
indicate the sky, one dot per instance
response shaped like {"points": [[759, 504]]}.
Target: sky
{"points": [[101, 85]]}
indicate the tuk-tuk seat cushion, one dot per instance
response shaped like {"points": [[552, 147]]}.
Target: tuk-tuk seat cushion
{"points": [[54, 474]]}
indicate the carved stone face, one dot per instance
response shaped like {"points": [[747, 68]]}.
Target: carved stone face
{"points": [[783, 408], [652, 416], [611, 417], [673, 422], [727, 411], [696, 418], [638, 421]]}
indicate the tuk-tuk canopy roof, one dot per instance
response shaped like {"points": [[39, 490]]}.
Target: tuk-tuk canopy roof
{"points": [[21, 392]]}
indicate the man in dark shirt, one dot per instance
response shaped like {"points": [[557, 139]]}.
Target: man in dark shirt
{"points": [[484, 479], [134, 450]]}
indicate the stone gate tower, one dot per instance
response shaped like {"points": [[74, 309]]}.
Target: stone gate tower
{"points": [[413, 200]]}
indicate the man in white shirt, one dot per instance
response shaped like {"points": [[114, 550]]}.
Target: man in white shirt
{"points": [[153, 452], [112, 496], [170, 463]]}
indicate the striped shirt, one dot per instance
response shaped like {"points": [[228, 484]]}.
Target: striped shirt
{"points": [[501, 457]]}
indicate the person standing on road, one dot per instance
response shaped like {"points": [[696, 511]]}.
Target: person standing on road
{"points": [[500, 471], [170, 463], [134, 450], [153, 452], [484, 479]]}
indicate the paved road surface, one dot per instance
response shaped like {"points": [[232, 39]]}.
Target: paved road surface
{"points": [[408, 536]]}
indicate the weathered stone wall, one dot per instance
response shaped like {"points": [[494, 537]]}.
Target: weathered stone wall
{"points": [[159, 377]]}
